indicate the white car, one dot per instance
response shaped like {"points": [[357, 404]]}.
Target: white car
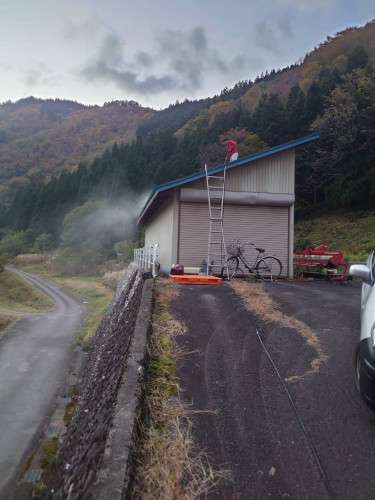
{"points": [[365, 353]]}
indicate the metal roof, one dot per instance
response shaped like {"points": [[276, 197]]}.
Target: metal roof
{"points": [[219, 168]]}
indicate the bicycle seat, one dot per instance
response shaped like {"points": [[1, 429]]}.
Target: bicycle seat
{"points": [[260, 250]]}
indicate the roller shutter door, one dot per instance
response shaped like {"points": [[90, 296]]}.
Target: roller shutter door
{"points": [[267, 227]]}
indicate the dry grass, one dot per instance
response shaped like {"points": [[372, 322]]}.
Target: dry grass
{"points": [[260, 303], [169, 466], [88, 289], [111, 279], [96, 297], [18, 298], [30, 258], [17, 295]]}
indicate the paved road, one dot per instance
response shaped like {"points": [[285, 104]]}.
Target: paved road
{"points": [[34, 354], [320, 444]]}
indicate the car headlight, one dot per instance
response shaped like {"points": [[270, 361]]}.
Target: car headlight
{"points": [[373, 335]]}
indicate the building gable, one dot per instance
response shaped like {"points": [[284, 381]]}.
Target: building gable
{"points": [[269, 175]]}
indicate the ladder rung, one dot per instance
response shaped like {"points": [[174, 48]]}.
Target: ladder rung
{"points": [[215, 232], [216, 242], [216, 219], [215, 177], [216, 187]]}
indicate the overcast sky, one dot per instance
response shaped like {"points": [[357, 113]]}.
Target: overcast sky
{"points": [[157, 51]]}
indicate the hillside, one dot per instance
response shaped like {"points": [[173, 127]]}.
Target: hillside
{"points": [[40, 138], [351, 232], [335, 53]]}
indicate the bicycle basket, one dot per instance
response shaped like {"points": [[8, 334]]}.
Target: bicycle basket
{"points": [[234, 249]]}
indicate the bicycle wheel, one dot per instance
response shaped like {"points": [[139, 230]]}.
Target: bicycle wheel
{"points": [[268, 268], [232, 264]]}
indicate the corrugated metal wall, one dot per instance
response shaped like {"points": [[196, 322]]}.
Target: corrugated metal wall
{"points": [[160, 230], [267, 227], [270, 175]]}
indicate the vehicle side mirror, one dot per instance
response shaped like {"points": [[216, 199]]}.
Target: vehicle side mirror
{"points": [[362, 272]]}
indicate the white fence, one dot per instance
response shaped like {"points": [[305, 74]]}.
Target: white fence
{"points": [[147, 259]]}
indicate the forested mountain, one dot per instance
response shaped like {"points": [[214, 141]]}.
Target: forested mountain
{"points": [[40, 138], [332, 90]]}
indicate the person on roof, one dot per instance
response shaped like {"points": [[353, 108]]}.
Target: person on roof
{"points": [[232, 151]]}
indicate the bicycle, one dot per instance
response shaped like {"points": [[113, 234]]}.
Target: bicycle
{"points": [[264, 266]]}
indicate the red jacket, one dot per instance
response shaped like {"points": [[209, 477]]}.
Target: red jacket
{"points": [[231, 147]]}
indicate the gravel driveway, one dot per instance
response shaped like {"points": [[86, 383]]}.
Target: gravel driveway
{"points": [[283, 429]]}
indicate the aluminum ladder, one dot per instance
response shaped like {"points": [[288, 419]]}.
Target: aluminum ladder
{"points": [[216, 249]]}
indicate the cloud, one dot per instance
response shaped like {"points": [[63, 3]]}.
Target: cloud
{"points": [[78, 28], [284, 26], [180, 61], [142, 58], [5, 66], [264, 37], [39, 74], [110, 66], [308, 5], [269, 35]]}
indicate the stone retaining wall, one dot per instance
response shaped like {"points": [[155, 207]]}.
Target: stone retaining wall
{"points": [[81, 453]]}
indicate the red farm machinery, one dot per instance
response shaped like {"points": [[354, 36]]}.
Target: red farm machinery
{"points": [[321, 263]]}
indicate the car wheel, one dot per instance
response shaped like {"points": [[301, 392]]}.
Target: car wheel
{"points": [[364, 381], [357, 362]]}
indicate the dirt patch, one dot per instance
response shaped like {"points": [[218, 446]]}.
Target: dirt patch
{"points": [[258, 302]]}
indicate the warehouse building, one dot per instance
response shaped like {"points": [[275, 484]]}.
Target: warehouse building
{"points": [[259, 208]]}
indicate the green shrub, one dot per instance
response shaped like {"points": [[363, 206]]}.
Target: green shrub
{"points": [[44, 242], [15, 242], [70, 262], [39, 490], [49, 449], [124, 250]]}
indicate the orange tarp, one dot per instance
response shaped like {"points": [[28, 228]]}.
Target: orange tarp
{"points": [[195, 279]]}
